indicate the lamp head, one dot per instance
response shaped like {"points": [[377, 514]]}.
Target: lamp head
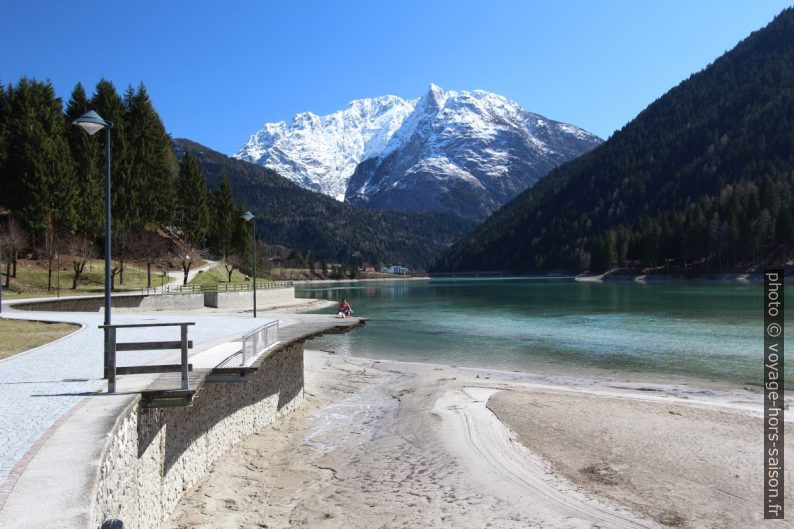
{"points": [[247, 216], [91, 122]]}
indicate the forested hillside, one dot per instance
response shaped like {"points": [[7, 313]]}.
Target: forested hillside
{"points": [[702, 178], [331, 230], [52, 178]]}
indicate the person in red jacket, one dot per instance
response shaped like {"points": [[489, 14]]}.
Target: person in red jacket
{"points": [[344, 310]]}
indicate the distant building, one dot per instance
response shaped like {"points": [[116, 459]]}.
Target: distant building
{"points": [[395, 269]]}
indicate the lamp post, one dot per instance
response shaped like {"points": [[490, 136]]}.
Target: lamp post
{"points": [[1, 277], [92, 123], [58, 259], [248, 216]]}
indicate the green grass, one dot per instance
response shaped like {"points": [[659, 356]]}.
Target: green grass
{"points": [[218, 275], [17, 336], [31, 280]]}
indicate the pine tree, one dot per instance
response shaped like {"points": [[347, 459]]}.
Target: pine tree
{"points": [[3, 136], [152, 162], [241, 238], [89, 163], [192, 201], [223, 212], [40, 176]]}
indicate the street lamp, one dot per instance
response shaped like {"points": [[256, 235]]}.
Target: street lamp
{"points": [[248, 217], [92, 123]]}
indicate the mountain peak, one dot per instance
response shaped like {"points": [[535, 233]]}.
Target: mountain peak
{"points": [[476, 137], [436, 95]]}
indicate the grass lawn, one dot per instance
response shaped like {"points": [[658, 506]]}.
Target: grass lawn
{"points": [[31, 280], [19, 335], [218, 275]]}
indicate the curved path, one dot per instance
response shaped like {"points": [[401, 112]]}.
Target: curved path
{"points": [[177, 277]]}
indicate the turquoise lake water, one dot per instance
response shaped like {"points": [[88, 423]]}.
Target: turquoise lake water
{"points": [[702, 330]]}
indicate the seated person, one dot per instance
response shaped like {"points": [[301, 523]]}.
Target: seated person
{"points": [[344, 310]]}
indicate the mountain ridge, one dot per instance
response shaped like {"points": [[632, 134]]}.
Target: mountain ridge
{"points": [[393, 153], [464, 152], [306, 220]]}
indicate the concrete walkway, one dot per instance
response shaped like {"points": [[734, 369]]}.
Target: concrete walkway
{"points": [[40, 387]]}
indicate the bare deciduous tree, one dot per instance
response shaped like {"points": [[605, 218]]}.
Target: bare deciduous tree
{"points": [[150, 247], [186, 258], [13, 240], [82, 249], [121, 252], [231, 263], [49, 250]]}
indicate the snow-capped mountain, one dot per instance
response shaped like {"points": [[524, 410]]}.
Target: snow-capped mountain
{"points": [[462, 152], [322, 152]]}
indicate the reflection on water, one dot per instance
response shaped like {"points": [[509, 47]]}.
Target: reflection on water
{"points": [[702, 330]]}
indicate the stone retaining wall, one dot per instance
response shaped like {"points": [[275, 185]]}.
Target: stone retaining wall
{"points": [[126, 303], [154, 456], [265, 298], [244, 299]]}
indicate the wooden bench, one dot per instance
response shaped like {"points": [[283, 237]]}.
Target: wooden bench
{"points": [[183, 344]]}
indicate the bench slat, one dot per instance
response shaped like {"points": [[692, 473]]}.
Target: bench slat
{"points": [[162, 368], [151, 346], [131, 325]]}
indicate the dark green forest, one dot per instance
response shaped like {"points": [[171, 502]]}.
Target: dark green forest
{"points": [[700, 180], [312, 222], [52, 177]]}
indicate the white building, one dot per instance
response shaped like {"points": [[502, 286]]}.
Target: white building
{"points": [[395, 269]]}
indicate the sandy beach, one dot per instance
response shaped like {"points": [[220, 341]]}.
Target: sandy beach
{"points": [[382, 444]]}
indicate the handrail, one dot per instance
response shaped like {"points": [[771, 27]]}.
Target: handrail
{"points": [[259, 339], [219, 287]]}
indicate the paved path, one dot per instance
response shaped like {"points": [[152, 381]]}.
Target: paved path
{"points": [[39, 387], [177, 277]]}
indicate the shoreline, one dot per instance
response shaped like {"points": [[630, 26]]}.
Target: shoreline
{"points": [[623, 275], [429, 445]]}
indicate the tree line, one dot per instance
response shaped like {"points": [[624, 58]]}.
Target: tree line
{"points": [[52, 177], [332, 231]]}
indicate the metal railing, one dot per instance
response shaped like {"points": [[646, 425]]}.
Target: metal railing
{"points": [[220, 287], [259, 339]]}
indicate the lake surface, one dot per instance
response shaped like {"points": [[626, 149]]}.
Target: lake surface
{"points": [[702, 330]]}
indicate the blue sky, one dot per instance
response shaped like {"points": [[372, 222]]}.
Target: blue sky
{"points": [[217, 71]]}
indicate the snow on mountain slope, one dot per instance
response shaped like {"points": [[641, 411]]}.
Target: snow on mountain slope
{"points": [[463, 152], [321, 152]]}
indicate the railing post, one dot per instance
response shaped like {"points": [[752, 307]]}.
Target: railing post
{"points": [[111, 365], [183, 332], [246, 341]]}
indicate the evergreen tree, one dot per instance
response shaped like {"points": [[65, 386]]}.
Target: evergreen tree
{"points": [[192, 201], [223, 212], [153, 168], [39, 174], [89, 164], [3, 135], [311, 262]]}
